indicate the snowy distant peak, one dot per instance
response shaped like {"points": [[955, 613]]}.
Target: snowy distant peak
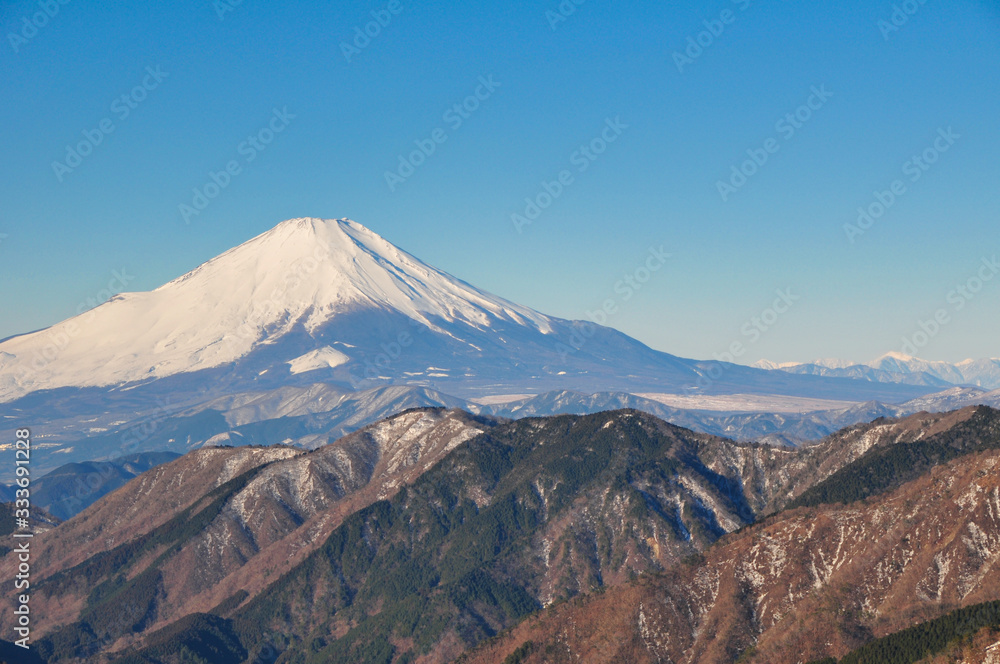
{"points": [[983, 373], [833, 363], [828, 363], [904, 363], [894, 355], [769, 365]]}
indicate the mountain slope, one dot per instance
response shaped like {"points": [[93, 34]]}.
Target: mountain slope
{"points": [[300, 273], [290, 280], [519, 517], [541, 510], [568, 480], [803, 585], [920, 443], [425, 533], [223, 516], [328, 300], [74, 486]]}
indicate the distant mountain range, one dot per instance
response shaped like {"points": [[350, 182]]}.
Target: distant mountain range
{"points": [[308, 417], [899, 368]]}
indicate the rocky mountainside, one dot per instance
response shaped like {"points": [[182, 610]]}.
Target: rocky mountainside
{"points": [[190, 533], [164, 549], [424, 535], [806, 584]]}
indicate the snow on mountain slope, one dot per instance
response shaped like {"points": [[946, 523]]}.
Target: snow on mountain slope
{"points": [[284, 512], [900, 368], [902, 363], [320, 358], [329, 301], [983, 373], [303, 271], [769, 365], [827, 363]]}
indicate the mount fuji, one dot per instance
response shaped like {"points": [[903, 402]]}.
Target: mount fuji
{"points": [[330, 301]]}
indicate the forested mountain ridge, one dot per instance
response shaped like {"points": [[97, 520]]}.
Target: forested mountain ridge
{"points": [[805, 584], [424, 535]]}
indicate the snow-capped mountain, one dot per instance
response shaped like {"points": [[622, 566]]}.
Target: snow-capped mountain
{"points": [[898, 367], [331, 301], [983, 373], [826, 363], [298, 275]]}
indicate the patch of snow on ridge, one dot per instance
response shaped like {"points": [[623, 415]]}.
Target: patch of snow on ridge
{"points": [[321, 358]]}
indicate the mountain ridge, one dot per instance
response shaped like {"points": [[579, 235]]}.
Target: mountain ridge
{"points": [[329, 300], [803, 585], [564, 505], [899, 367]]}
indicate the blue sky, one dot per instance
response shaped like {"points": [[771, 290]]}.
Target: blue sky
{"points": [[556, 85]]}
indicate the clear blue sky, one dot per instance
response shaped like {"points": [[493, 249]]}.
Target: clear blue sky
{"points": [[656, 184]]}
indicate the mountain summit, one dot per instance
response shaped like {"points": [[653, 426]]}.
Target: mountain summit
{"points": [[318, 300], [301, 273], [308, 270]]}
